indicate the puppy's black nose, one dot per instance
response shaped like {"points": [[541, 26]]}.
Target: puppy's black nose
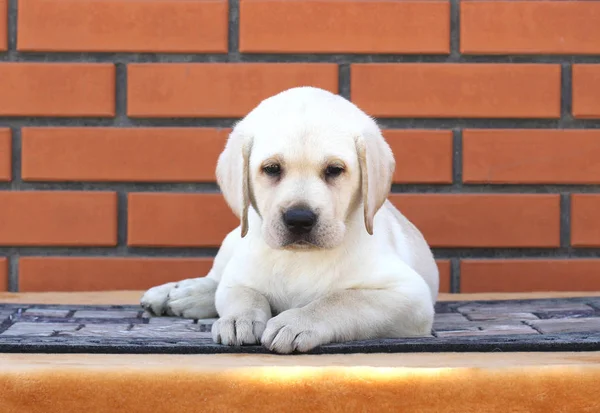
{"points": [[299, 220]]}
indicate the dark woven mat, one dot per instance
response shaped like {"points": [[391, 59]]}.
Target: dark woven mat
{"points": [[518, 325]]}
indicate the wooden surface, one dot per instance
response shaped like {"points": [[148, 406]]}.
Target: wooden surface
{"points": [[229, 361], [133, 297]]}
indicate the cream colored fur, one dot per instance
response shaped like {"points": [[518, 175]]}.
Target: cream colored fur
{"points": [[364, 271]]}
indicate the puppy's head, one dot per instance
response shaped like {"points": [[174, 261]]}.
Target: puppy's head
{"points": [[306, 160]]}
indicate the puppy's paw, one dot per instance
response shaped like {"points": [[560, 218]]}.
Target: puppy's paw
{"points": [[193, 298], [154, 301], [238, 330], [292, 331]]}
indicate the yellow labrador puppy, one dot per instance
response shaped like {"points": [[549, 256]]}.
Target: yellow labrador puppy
{"points": [[320, 255]]}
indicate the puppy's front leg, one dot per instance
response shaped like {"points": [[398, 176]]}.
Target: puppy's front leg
{"points": [[244, 313], [349, 315]]}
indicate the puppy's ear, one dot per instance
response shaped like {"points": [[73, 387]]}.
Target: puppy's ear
{"points": [[233, 175], [377, 167]]}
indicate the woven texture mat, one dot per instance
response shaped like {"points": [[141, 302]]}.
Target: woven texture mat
{"points": [[559, 324]]}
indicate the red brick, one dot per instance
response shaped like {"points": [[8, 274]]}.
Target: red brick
{"points": [[484, 220], [73, 274], [585, 226], [466, 90], [121, 154], [586, 91], [3, 274], [3, 25], [46, 274], [217, 89], [531, 156], [189, 154], [193, 26], [499, 220], [58, 218], [444, 268], [422, 156], [5, 155], [529, 275], [178, 220], [529, 27], [333, 26], [57, 89]]}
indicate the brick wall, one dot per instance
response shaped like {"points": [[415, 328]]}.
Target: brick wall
{"points": [[113, 112]]}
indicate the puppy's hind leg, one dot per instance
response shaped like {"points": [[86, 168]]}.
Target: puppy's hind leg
{"points": [[191, 298], [194, 297]]}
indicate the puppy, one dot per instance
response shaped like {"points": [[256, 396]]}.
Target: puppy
{"points": [[320, 255]]}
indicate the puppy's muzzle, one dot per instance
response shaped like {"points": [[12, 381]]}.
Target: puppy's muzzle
{"points": [[299, 221]]}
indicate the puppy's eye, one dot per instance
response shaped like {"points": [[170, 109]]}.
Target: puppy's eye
{"points": [[333, 171], [272, 170]]}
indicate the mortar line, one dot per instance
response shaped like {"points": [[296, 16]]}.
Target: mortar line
{"points": [[208, 188], [212, 188], [235, 55], [16, 156], [110, 252], [233, 31], [13, 272], [12, 27], [455, 275], [121, 118], [565, 221], [344, 79], [455, 54], [491, 253], [457, 158], [226, 123], [122, 218], [554, 253], [566, 100]]}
